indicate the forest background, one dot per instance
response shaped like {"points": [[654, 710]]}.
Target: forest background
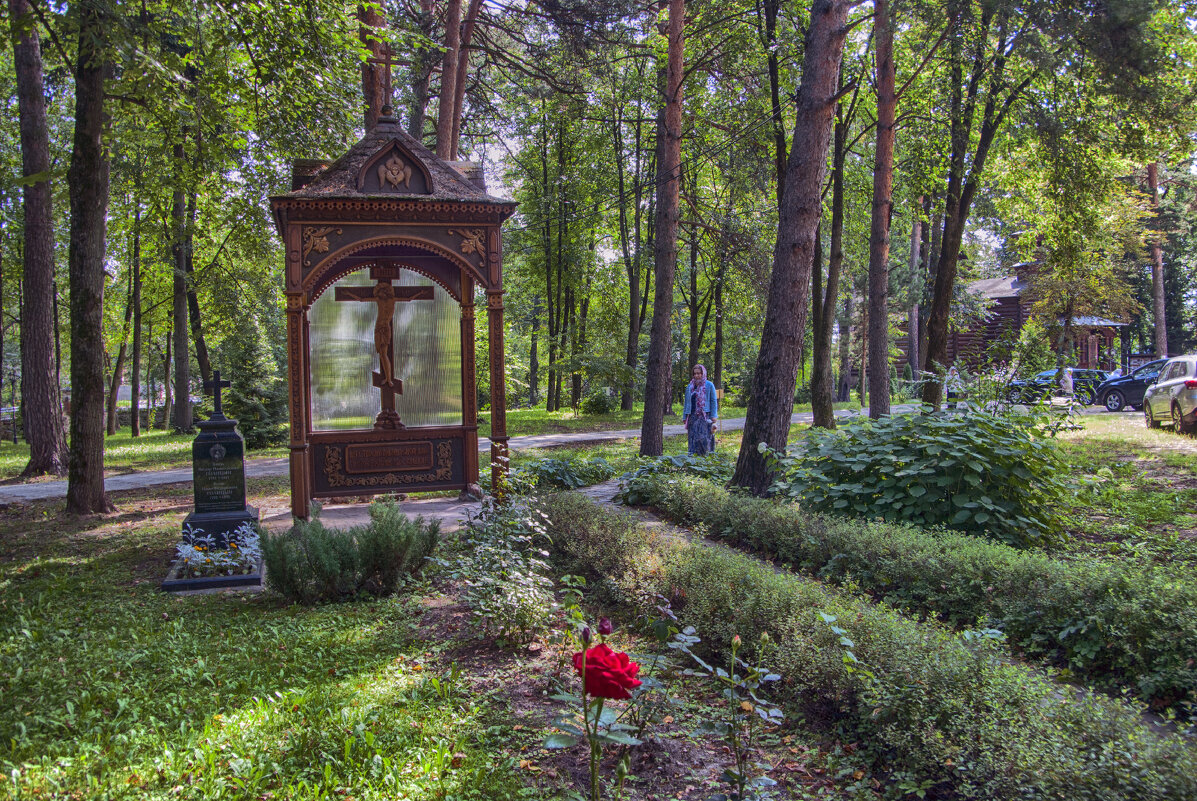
{"points": [[960, 138]]}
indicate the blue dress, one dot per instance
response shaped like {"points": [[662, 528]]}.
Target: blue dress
{"points": [[700, 439]]}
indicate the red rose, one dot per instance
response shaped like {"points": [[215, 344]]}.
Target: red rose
{"points": [[609, 674]]}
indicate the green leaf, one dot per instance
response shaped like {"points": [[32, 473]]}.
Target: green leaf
{"points": [[560, 741]]}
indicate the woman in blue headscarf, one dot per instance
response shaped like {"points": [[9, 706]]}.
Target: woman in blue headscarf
{"points": [[699, 413]]}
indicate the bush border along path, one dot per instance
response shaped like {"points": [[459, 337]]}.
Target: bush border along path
{"points": [[939, 711], [1117, 625]]}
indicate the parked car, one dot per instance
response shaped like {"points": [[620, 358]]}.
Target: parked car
{"points": [[1117, 393], [1040, 385], [1173, 396]]}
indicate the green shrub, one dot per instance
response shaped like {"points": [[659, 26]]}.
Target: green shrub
{"points": [[310, 563], [1118, 625], [636, 485], [998, 475], [948, 713], [551, 473], [502, 567], [600, 402]]}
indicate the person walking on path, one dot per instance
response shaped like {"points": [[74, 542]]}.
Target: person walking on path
{"points": [[700, 412]]}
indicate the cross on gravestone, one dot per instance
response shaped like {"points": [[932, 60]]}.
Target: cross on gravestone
{"points": [[386, 295], [215, 385]]}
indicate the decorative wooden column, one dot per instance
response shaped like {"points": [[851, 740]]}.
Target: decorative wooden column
{"points": [[499, 457], [297, 352], [469, 379]]}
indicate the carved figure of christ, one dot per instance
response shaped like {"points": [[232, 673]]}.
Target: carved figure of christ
{"points": [[386, 296]]}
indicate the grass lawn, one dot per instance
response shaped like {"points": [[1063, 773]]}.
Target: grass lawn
{"points": [[111, 689], [1140, 499], [153, 450]]}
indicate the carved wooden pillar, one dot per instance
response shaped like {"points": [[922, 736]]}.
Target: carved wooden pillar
{"points": [[469, 380], [498, 391], [301, 491]]}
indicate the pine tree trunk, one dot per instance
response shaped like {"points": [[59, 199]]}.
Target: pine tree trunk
{"points": [[370, 25], [42, 412], [167, 391], [118, 369], [423, 62], [821, 385], [883, 184], [658, 369], [534, 360], [182, 396], [916, 291], [444, 114], [773, 382], [1157, 269], [862, 387], [135, 370], [770, 9], [463, 68], [843, 390], [88, 177]]}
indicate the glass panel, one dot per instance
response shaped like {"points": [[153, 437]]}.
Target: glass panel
{"points": [[427, 350]]}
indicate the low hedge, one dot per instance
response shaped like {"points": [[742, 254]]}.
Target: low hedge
{"points": [[945, 713], [1116, 625]]}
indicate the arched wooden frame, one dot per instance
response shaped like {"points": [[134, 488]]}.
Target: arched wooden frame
{"points": [[309, 479]]}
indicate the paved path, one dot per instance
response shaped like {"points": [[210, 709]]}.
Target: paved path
{"points": [[277, 466]]}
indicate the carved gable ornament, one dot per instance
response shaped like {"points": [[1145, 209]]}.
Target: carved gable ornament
{"points": [[394, 170]]}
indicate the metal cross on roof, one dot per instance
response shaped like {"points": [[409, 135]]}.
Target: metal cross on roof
{"points": [[214, 386]]}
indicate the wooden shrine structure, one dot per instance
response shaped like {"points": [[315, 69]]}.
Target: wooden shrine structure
{"points": [[391, 210]]}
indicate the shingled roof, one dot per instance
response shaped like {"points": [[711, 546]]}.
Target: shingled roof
{"points": [[343, 178]]}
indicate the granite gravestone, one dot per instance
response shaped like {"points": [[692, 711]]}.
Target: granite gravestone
{"points": [[218, 475]]}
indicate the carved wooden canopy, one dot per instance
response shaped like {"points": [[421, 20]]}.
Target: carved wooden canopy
{"points": [[387, 205]]}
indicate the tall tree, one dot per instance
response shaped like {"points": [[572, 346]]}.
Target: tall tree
{"points": [[773, 382], [883, 188], [658, 371], [42, 412], [1159, 314], [444, 119], [88, 176]]}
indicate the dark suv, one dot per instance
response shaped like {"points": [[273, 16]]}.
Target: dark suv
{"points": [[1041, 385], [1117, 393]]}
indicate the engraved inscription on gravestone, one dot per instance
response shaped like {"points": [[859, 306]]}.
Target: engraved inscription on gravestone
{"points": [[219, 472]]}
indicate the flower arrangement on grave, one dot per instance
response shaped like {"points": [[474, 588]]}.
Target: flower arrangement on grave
{"points": [[199, 556]]}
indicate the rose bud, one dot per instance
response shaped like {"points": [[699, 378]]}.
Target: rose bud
{"points": [[604, 626], [586, 634], [736, 641]]}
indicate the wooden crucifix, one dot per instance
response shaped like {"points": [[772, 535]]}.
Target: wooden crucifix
{"points": [[386, 295], [215, 385]]}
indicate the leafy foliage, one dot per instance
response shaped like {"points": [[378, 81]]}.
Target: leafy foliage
{"points": [[508, 588], [992, 474], [311, 563], [635, 486], [937, 710], [552, 473]]}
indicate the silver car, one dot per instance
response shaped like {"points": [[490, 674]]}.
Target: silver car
{"points": [[1173, 396]]}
